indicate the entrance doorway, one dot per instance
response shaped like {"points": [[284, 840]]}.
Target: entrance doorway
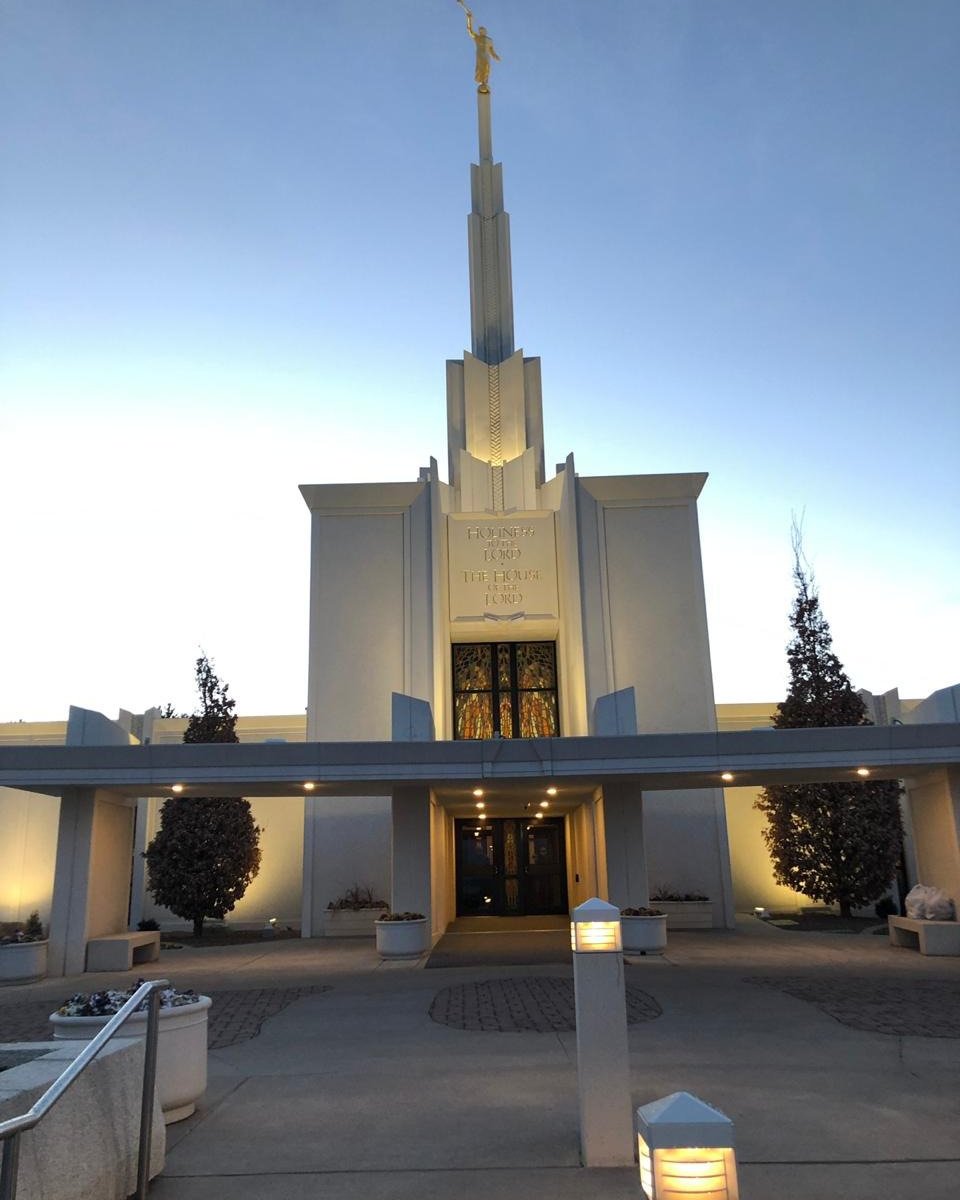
{"points": [[510, 867]]}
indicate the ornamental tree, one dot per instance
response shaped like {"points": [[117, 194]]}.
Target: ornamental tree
{"points": [[206, 852], [838, 843]]}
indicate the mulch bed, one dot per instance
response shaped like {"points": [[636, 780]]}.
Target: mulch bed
{"points": [[817, 922], [223, 937]]}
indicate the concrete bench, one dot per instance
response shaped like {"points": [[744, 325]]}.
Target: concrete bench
{"points": [[119, 951], [929, 937]]}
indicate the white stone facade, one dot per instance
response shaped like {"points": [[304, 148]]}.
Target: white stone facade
{"points": [[607, 569]]}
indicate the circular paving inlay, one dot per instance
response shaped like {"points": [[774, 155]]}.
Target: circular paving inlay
{"points": [[527, 1005]]}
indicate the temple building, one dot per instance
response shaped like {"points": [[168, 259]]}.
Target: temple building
{"points": [[548, 620], [510, 603]]}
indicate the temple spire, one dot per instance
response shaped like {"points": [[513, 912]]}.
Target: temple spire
{"points": [[491, 282], [485, 127], [494, 412]]}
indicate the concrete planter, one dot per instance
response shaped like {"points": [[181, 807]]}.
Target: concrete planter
{"points": [[181, 1051], [687, 914], [351, 922], [644, 935], [86, 1148], [402, 939], [23, 962]]}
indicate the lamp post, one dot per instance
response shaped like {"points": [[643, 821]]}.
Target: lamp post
{"points": [[603, 1065], [686, 1149]]}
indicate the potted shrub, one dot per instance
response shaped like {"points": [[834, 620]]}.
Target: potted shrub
{"points": [[354, 913], [685, 910], [23, 953], [181, 1046], [402, 935], [644, 930]]}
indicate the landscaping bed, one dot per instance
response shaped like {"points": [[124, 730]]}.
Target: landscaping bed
{"points": [[222, 937], [823, 922]]}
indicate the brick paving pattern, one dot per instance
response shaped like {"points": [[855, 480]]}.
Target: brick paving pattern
{"points": [[235, 1016], [914, 1008], [534, 1005], [238, 1016]]}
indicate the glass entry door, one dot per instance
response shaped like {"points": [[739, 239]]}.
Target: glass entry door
{"points": [[510, 867]]}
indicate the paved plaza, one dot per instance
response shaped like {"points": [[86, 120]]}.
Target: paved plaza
{"points": [[331, 1075]]}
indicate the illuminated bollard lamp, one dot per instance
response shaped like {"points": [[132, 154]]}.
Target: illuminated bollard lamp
{"points": [[686, 1149], [603, 1063]]}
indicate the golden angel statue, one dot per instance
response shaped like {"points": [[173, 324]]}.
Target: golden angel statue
{"points": [[485, 50]]}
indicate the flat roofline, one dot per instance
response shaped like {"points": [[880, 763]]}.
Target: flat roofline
{"points": [[652, 761]]}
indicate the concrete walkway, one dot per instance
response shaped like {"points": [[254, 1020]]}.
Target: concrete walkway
{"points": [[359, 1092]]}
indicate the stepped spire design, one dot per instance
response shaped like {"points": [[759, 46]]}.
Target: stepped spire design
{"points": [[495, 423]]}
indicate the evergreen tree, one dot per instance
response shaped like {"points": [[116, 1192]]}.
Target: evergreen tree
{"points": [[206, 852], [838, 843]]}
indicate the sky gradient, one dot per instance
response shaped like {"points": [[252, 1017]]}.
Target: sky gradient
{"points": [[234, 245]]}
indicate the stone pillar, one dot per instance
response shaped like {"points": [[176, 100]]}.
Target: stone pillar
{"points": [[410, 845], [92, 880], [935, 811], [627, 879], [311, 819]]}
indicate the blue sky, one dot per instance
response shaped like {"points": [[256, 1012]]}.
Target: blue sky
{"points": [[233, 237]]}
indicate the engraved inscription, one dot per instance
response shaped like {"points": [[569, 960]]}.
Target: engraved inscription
{"points": [[502, 568]]}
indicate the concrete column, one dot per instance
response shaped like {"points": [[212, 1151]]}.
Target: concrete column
{"points": [[68, 915], [138, 887], [410, 845], [627, 879], [92, 879], [935, 809], [310, 820]]}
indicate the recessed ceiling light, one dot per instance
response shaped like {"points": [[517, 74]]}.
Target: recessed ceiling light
{"points": [[478, 791], [727, 777], [539, 816], [551, 791], [863, 771], [308, 787], [177, 787], [543, 804], [480, 804]]}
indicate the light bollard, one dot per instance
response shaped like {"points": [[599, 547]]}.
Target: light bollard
{"points": [[603, 1065], [686, 1149]]}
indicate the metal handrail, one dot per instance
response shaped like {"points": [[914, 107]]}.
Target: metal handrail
{"points": [[11, 1129]]}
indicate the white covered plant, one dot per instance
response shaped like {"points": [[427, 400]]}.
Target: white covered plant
{"points": [[110, 1001]]}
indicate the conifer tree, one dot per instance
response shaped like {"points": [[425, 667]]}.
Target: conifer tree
{"points": [[206, 852], [838, 843]]}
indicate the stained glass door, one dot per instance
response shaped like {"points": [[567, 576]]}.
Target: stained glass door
{"points": [[545, 871], [478, 869], [510, 867]]}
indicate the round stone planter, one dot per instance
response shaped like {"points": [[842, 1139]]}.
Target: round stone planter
{"points": [[181, 1051], [644, 935], [402, 939], [23, 962]]}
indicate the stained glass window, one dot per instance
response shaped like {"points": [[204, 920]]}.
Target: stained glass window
{"points": [[505, 689]]}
